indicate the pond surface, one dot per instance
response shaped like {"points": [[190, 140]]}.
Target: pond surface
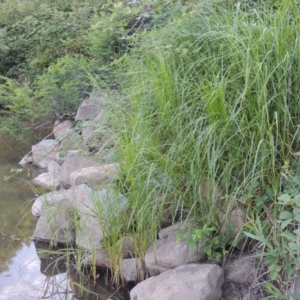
{"points": [[21, 268]]}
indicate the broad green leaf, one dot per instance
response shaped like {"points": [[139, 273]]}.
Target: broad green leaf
{"points": [[285, 215], [255, 237], [294, 246], [296, 200], [274, 270], [297, 231], [289, 236], [285, 198], [296, 211], [285, 223]]}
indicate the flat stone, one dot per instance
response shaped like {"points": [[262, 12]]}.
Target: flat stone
{"points": [[44, 152], [191, 282], [99, 176], [166, 254]]}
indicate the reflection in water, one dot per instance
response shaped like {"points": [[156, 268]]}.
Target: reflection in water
{"points": [[24, 274], [64, 281]]}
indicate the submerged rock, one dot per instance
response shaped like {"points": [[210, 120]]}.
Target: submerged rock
{"points": [[192, 282]]}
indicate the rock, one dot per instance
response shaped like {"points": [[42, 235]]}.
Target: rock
{"points": [[70, 141], [192, 282], [89, 234], [73, 163], [56, 226], [174, 229], [99, 259], [106, 203], [126, 246], [95, 176], [132, 270], [241, 270], [41, 203], [49, 180], [237, 291], [60, 128], [169, 253], [26, 161], [236, 222], [44, 152], [91, 107]]}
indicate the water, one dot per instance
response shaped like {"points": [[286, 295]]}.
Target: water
{"points": [[22, 268]]}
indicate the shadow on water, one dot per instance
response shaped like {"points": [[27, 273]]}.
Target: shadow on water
{"points": [[24, 274]]}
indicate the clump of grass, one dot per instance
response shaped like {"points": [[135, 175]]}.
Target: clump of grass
{"points": [[212, 96]]}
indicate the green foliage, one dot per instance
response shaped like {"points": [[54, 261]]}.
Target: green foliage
{"points": [[43, 36], [64, 85]]}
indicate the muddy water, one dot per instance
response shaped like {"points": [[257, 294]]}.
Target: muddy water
{"points": [[22, 270]]}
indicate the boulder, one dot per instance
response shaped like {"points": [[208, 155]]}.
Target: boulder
{"points": [[91, 107], [60, 128], [99, 176], [132, 270], [56, 226], [42, 202], [241, 270], [44, 152], [107, 202], [70, 141], [89, 234], [73, 162], [49, 180], [166, 254], [192, 282], [174, 229]]}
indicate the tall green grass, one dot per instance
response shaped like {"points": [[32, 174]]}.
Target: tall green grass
{"points": [[212, 96]]}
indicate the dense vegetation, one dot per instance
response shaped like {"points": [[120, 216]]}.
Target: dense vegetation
{"points": [[208, 91]]}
